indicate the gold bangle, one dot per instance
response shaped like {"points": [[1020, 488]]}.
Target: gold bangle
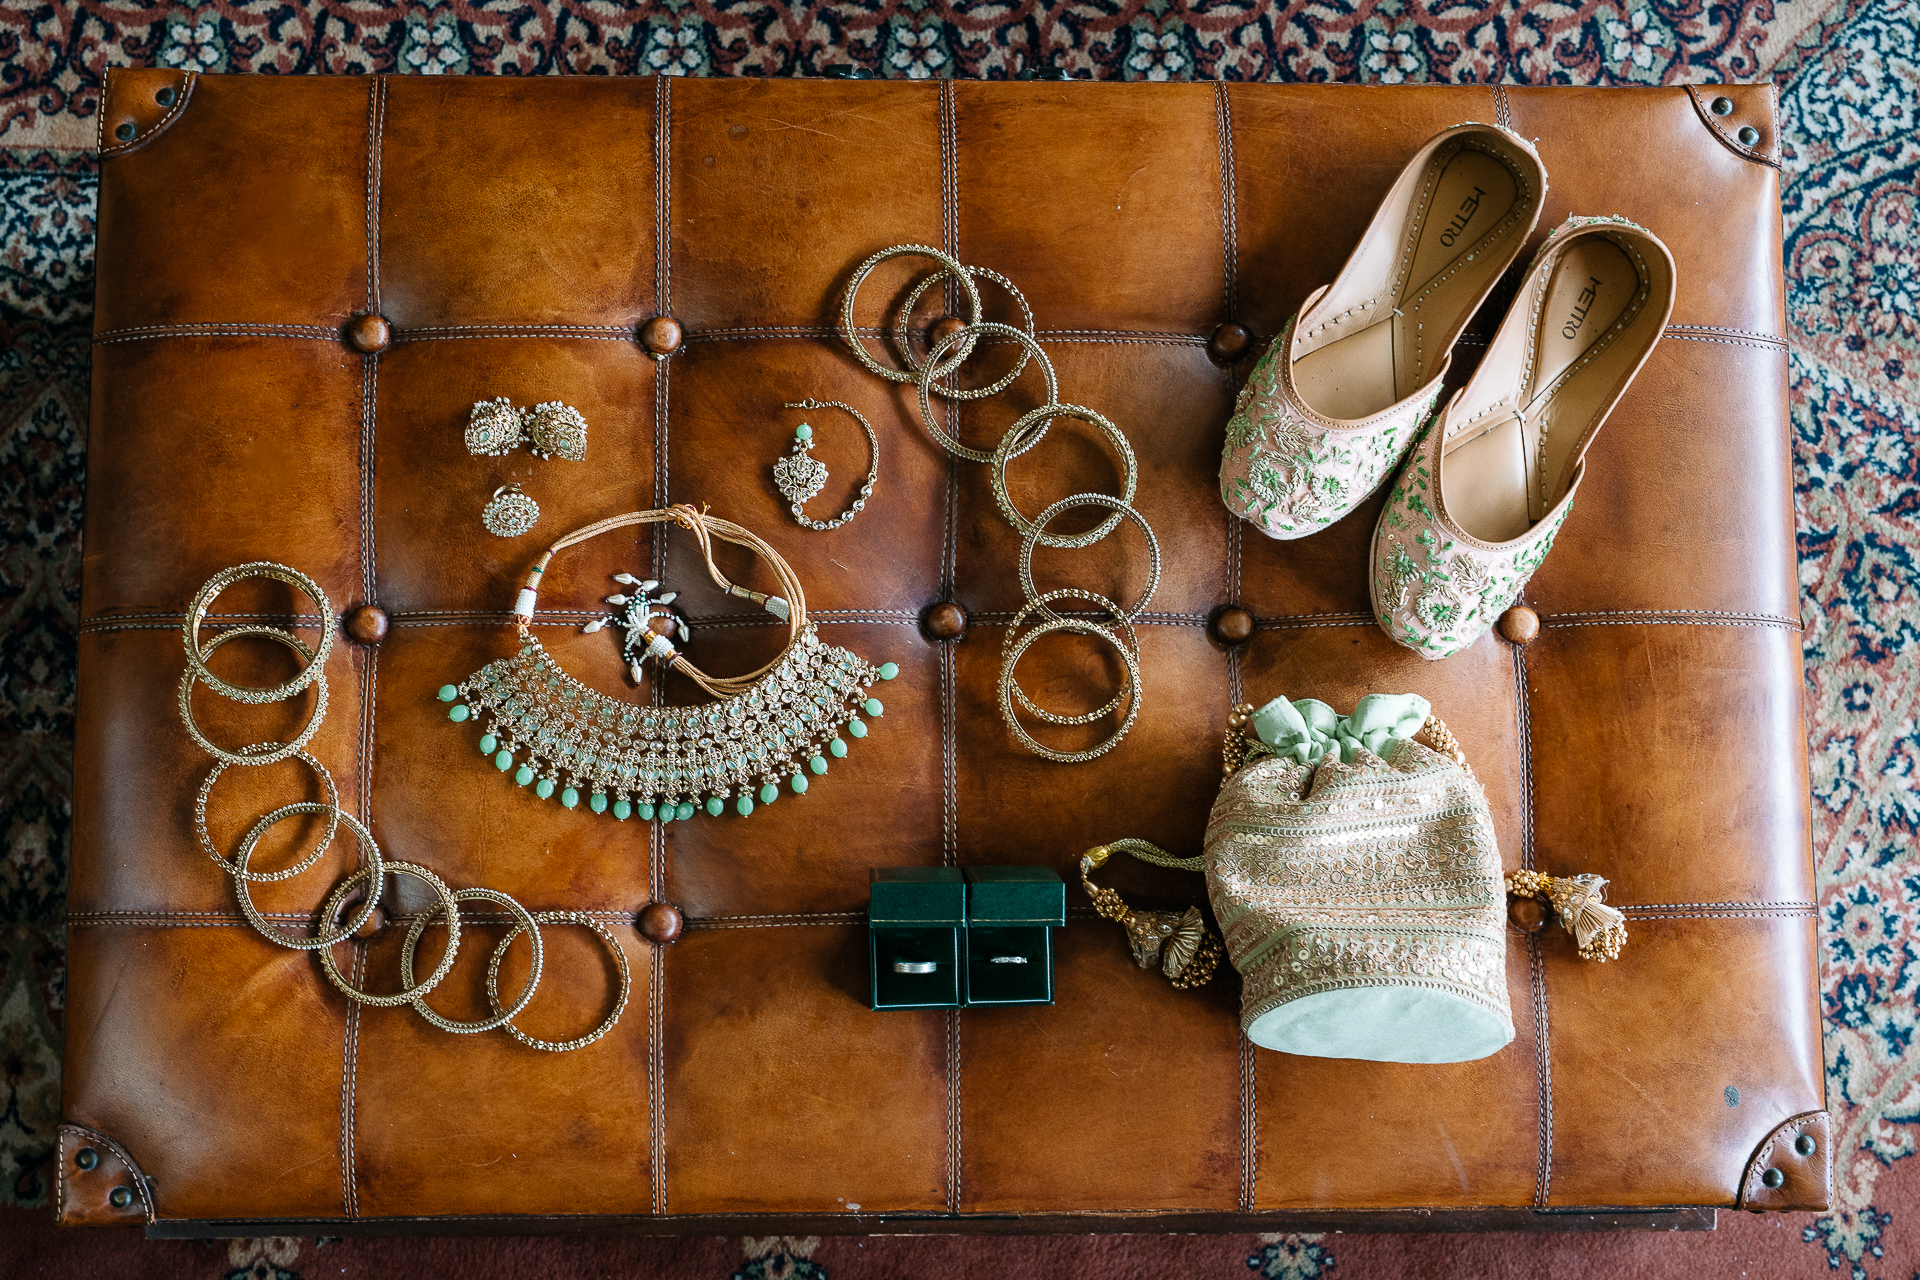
{"points": [[219, 582], [410, 993], [860, 274], [372, 864], [1041, 603], [419, 927], [619, 959], [261, 752], [1035, 530], [960, 357], [1075, 626], [925, 386], [1122, 510], [267, 877]]}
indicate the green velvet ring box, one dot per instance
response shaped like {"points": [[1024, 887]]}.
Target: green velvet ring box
{"points": [[915, 919], [1011, 915]]}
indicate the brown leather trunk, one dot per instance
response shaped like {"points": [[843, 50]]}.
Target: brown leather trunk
{"points": [[516, 236]]}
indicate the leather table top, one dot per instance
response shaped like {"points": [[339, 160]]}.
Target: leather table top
{"points": [[515, 234]]}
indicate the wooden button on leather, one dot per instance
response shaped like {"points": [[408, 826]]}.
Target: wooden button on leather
{"points": [[1519, 624], [369, 334], [661, 922], [1230, 625], [367, 623], [944, 621], [662, 335], [1528, 915], [943, 328], [1229, 342]]}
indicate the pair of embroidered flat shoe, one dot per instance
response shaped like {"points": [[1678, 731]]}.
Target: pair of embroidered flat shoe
{"points": [[1347, 393]]}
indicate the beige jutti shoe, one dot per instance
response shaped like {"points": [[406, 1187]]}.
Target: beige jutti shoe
{"points": [[1492, 479], [1331, 407]]}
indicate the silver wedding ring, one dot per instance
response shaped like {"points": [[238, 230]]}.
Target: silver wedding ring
{"points": [[915, 966]]}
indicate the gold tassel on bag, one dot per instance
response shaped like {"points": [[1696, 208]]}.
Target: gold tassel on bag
{"points": [[1599, 931]]}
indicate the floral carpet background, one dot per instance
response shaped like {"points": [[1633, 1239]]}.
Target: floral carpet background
{"points": [[1848, 76]]}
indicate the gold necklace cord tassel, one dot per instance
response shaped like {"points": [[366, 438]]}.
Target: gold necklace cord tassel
{"points": [[1599, 931], [1187, 950], [790, 607]]}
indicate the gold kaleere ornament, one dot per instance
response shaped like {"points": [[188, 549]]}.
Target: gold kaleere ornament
{"points": [[1599, 931], [1187, 950]]}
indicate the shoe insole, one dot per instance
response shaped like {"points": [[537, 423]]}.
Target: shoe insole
{"points": [[1500, 482], [1372, 369]]}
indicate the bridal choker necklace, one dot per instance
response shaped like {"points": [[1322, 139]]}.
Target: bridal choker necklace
{"points": [[769, 728]]}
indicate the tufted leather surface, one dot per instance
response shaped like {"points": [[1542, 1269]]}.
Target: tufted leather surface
{"points": [[515, 235]]}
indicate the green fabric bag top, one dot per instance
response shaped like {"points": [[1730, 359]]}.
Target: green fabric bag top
{"points": [[1307, 729]]}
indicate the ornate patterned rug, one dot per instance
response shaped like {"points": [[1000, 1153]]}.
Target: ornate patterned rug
{"points": [[1848, 72]]}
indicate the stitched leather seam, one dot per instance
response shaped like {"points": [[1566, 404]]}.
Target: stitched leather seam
{"points": [[1502, 111], [369, 429], [160, 127], [1681, 330], [1543, 1167], [172, 622], [1671, 620], [1229, 226], [1720, 915], [953, 1107], [656, 1059], [493, 330], [662, 167], [319, 330], [306, 333], [949, 171], [1711, 906], [376, 123], [531, 332], [1298, 621], [1728, 342], [349, 1071], [1250, 1139], [1671, 613]]}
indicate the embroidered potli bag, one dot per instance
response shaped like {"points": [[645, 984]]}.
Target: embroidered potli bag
{"points": [[1355, 877], [1356, 880]]}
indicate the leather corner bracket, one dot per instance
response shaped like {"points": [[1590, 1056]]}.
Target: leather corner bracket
{"points": [[1793, 1168], [1742, 117], [97, 1183], [137, 106]]}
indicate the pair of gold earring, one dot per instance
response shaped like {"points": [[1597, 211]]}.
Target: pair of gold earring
{"points": [[549, 430]]}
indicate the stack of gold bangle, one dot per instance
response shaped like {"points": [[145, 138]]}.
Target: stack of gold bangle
{"points": [[374, 867], [943, 358]]}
